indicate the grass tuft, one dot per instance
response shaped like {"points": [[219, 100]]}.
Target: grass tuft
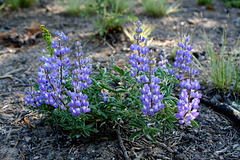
{"points": [[15, 4], [224, 68], [160, 7], [76, 7]]}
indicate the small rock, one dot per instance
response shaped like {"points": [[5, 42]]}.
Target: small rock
{"points": [[237, 22], [158, 150], [180, 157], [27, 138], [235, 146], [4, 116]]}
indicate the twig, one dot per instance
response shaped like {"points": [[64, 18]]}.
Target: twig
{"points": [[13, 71], [221, 151], [109, 45], [121, 144], [161, 156], [161, 145], [7, 76], [10, 155], [17, 79], [71, 149]]}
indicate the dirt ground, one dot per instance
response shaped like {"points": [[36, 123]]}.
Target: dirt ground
{"points": [[23, 135]]}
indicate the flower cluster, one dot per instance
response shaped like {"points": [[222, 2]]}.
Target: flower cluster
{"points": [[52, 75], [163, 61], [138, 60], [183, 60], [32, 95], [80, 80], [104, 96], [188, 102], [143, 62], [111, 63]]}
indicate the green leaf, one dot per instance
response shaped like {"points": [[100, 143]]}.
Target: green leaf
{"points": [[170, 98], [119, 70], [85, 133], [36, 86], [193, 123], [121, 90], [74, 133], [152, 137], [136, 125], [135, 134], [154, 130], [169, 90], [107, 87]]}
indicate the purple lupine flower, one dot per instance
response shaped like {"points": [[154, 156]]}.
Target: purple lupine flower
{"points": [[104, 96], [52, 74], [143, 62], [136, 59], [188, 102]]}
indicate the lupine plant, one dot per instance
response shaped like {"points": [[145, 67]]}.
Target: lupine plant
{"points": [[147, 30], [188, 102], [140, 96]]}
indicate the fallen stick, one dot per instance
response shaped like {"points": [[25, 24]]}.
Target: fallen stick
{"points": [[121, 144], [164, 146], [13, 71], [224, 109]]}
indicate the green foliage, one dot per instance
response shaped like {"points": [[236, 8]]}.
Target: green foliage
{"points": [[15, 4], [160, 7], [123, 102], [76, 7], [47, 37], [224, 66], [147, 30], [204, 2], [119, 6], [232, 3], [109, 21]]}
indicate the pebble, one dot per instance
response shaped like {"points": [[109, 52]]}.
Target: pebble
{"points": [[180, 157], [237, 22]]}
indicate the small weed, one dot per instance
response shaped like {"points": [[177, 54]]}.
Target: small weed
{"points": [[109, 21], [119, 6], [204, 2], [224, 67], [232, 3], [15, 4], [130, 31], [160, 7], [76, 7]]}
